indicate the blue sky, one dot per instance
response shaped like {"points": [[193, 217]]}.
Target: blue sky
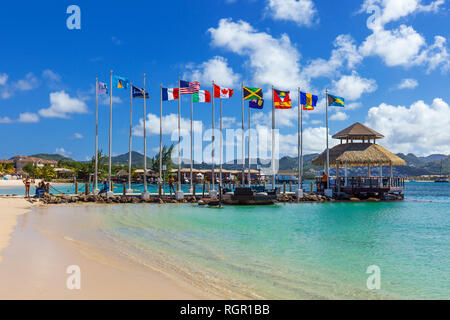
{"points": [[393, 73]]}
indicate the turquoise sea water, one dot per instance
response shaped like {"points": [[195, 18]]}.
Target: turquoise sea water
{"points": [[118, 188], [294, 251]]}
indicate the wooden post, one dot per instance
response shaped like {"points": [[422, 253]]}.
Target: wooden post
{"points": [[47, 188], [284, 187], [76, 187], [290, 186], [337, 177], [312, 186], [124, 189], [203, 192], [193, 189], [86, 190]]}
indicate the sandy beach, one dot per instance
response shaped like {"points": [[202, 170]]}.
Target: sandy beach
{"points": [[10, 210], [34, 265]]}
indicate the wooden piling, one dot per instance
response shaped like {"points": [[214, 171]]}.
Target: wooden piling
{"points": [[76, 187], [124, 189], [290, 186], [284, 187]]}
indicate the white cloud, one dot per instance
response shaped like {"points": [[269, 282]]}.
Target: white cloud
{"points": [[352, 87], [3, 79], [62, 152], [51, 75], [345, 54], [271, 60], [338, 116], [105, 100], [30, 82], [302, 12], [28, 117], [408, 84], [5, 120], [78, 135], [169, 125], [420, 129], [353, 105], [392, 10], [216, 69], [398, 47], [62, 105], [402, 46]]}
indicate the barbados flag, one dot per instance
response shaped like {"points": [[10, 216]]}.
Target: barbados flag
{"points": [[308, 101], [335, 101], [120, 82]]}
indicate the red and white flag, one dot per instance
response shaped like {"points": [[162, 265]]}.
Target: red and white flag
{"points": [[222, 93]]}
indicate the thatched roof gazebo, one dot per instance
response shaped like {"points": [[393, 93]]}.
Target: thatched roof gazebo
{"points": [[358, 148]]}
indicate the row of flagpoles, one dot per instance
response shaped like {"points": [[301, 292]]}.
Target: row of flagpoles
{"points": [[280, 100]]}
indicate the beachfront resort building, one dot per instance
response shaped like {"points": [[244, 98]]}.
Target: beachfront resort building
{"points": [[358, 148], [21, 161]]}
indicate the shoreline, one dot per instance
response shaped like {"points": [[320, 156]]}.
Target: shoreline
{"points": [[108, 276], [11, 208]]}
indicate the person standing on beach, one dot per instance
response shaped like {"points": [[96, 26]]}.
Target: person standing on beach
{"points": [[27, 183]]}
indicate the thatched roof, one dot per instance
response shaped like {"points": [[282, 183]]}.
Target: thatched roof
{"points": [[359, 154], [357, 131], [122, 173]]}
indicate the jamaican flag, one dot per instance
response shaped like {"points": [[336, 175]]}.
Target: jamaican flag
{"points": [[253, 93]]}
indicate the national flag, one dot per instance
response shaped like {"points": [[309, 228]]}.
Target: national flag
{"points": [[256, 104], [252, 93], [170, 94], [187, 87], [335, 101], [102, 88], [201, 96], [222, 93], [281, 99], [308, 101], [120, 82], [139, 93]]}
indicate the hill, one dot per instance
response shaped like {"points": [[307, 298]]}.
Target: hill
{"points": [[137, 159], [55, 157]]}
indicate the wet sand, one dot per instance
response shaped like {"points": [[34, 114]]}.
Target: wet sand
{"points": [[35, 266]]}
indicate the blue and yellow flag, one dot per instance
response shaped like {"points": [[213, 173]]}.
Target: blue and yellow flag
{"points": [[120, 82], [308, 101], [335, 101]]}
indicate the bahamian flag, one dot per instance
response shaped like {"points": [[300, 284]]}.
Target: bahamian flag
{"points": [[308, 101], [256, 104], [253, 93], [335, 101], [120, 82], [138, 92]]}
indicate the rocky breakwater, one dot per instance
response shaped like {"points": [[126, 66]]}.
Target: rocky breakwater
{"points": [[62, 199], [307, 197]]}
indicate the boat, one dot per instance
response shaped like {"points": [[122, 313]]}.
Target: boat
{"points": [[248, 196], [441, 179]]}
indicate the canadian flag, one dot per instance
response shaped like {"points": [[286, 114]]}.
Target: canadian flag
{"points": [[222, 93]]}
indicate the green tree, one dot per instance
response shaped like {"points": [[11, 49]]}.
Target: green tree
{"points": [[166, 159], [30, 169], [46, 172]]}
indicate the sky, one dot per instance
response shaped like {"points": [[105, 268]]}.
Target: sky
{"points": [[389, 59]]}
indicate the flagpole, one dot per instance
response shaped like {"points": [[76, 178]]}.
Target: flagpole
{"points": [[249, 133], [243, 138], [300, 147], [96, 139], [191, 190], [221, 145], [213, 138], [110, 190], [129, 140], [273, 142], [145, 194], [179, 136], [328, 151], [160, 141]]}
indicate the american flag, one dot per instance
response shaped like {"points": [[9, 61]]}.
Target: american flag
{"points": [[187, 87]]}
